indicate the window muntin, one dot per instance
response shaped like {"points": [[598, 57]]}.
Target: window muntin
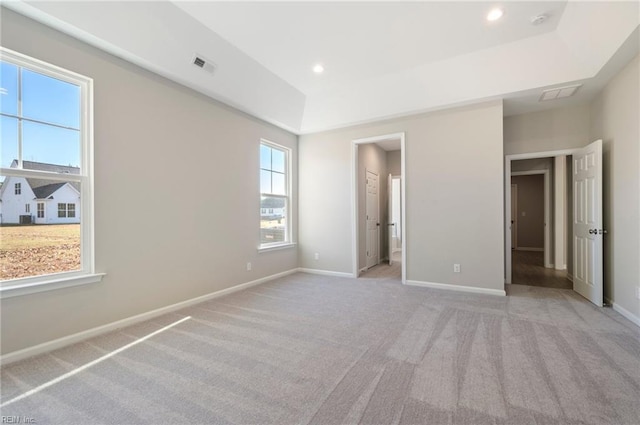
{"points": [[275, 226], [46, 137], [27, 208], [17, 189]]}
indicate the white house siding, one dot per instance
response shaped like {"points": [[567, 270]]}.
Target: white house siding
{"points": [[13, 206], [66, 195]]}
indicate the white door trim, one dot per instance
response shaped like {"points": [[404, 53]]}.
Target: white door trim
{"points": [[514, 229], [354, 198], [547, 211], [507, 199]]}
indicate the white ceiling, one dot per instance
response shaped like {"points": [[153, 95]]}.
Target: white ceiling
{"points": [[362, 40], [381, 60]]}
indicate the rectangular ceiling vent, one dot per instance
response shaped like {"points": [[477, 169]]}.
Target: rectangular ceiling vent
{"points": [[559, 93], [204, 63]]}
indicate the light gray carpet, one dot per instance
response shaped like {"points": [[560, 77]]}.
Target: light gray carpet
{"points": [[311, 349]]}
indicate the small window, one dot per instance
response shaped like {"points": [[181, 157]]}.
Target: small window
{"points": [[40, 209], [62, 210], [18, 188], [71, 210], [27, 208], [275, 226]]}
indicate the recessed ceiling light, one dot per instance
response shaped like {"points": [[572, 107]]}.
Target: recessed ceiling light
{"points": [[318, 69], [495, 14]]}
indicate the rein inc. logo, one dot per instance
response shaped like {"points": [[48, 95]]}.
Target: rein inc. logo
{"points": [[17, 420]]}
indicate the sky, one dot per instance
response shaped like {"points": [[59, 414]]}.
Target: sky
{"points": [[44, 99]]}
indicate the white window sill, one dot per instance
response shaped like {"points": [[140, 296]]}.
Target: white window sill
{"points": [[276, 247], [19, 289]]}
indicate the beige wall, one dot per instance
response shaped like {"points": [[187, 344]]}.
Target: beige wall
{"points": [[615, 119], [454, 182], [553, 129], [530, 209], [176, 183], [393, 163], [372, 157]]}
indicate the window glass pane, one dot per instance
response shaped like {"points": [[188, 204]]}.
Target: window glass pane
{"points": [[278, 161], [8, 88], [9, 142], [265, 181], [33, 248], [51, 145], [51, 100], [273, 222], [265, 157], [278, 181]]}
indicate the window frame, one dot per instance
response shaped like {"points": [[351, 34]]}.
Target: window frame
{"points": [[86, 273], [289, 236], [17, 189]]}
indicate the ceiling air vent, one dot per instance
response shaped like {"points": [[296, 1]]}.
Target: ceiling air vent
{"points": [[559, 93], [202, 62]]}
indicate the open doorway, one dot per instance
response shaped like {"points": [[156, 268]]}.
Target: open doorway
{"points": [[532, 225], [379, 249], [574, 242]]}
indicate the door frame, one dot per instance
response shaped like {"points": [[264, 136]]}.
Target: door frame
{"points": [[507, 199], [355, 219], [547, 211], [514, 234]]}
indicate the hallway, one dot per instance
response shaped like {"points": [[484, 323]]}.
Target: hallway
{"points": [[528, 269], [386, 271]]}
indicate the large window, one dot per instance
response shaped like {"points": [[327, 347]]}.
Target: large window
{"points": [[275, 224], [46, 156]]}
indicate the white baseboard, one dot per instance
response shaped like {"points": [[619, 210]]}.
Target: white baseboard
{"points": [[564, 267], [525, 248], [623, 311], [458, 288], [90, 333], [324, 272], [570, 277]]}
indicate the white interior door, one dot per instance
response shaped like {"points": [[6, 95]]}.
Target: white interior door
{"points": [[587, 222], [373, 221]]}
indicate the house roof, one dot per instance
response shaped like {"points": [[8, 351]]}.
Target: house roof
{"points": [[43, 192], [36, 183], [268, 202], [43, 166]]}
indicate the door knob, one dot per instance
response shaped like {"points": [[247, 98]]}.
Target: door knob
{"points": [[593, 231]]}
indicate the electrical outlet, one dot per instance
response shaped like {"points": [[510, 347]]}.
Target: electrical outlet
{"points": [[316, 256], [456, 268], [248, 266]]}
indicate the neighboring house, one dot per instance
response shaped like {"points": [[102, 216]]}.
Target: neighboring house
{"points": [[40, 201], [272, 208]]}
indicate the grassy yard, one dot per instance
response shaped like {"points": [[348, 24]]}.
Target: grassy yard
{"points": [[38, 249]]}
